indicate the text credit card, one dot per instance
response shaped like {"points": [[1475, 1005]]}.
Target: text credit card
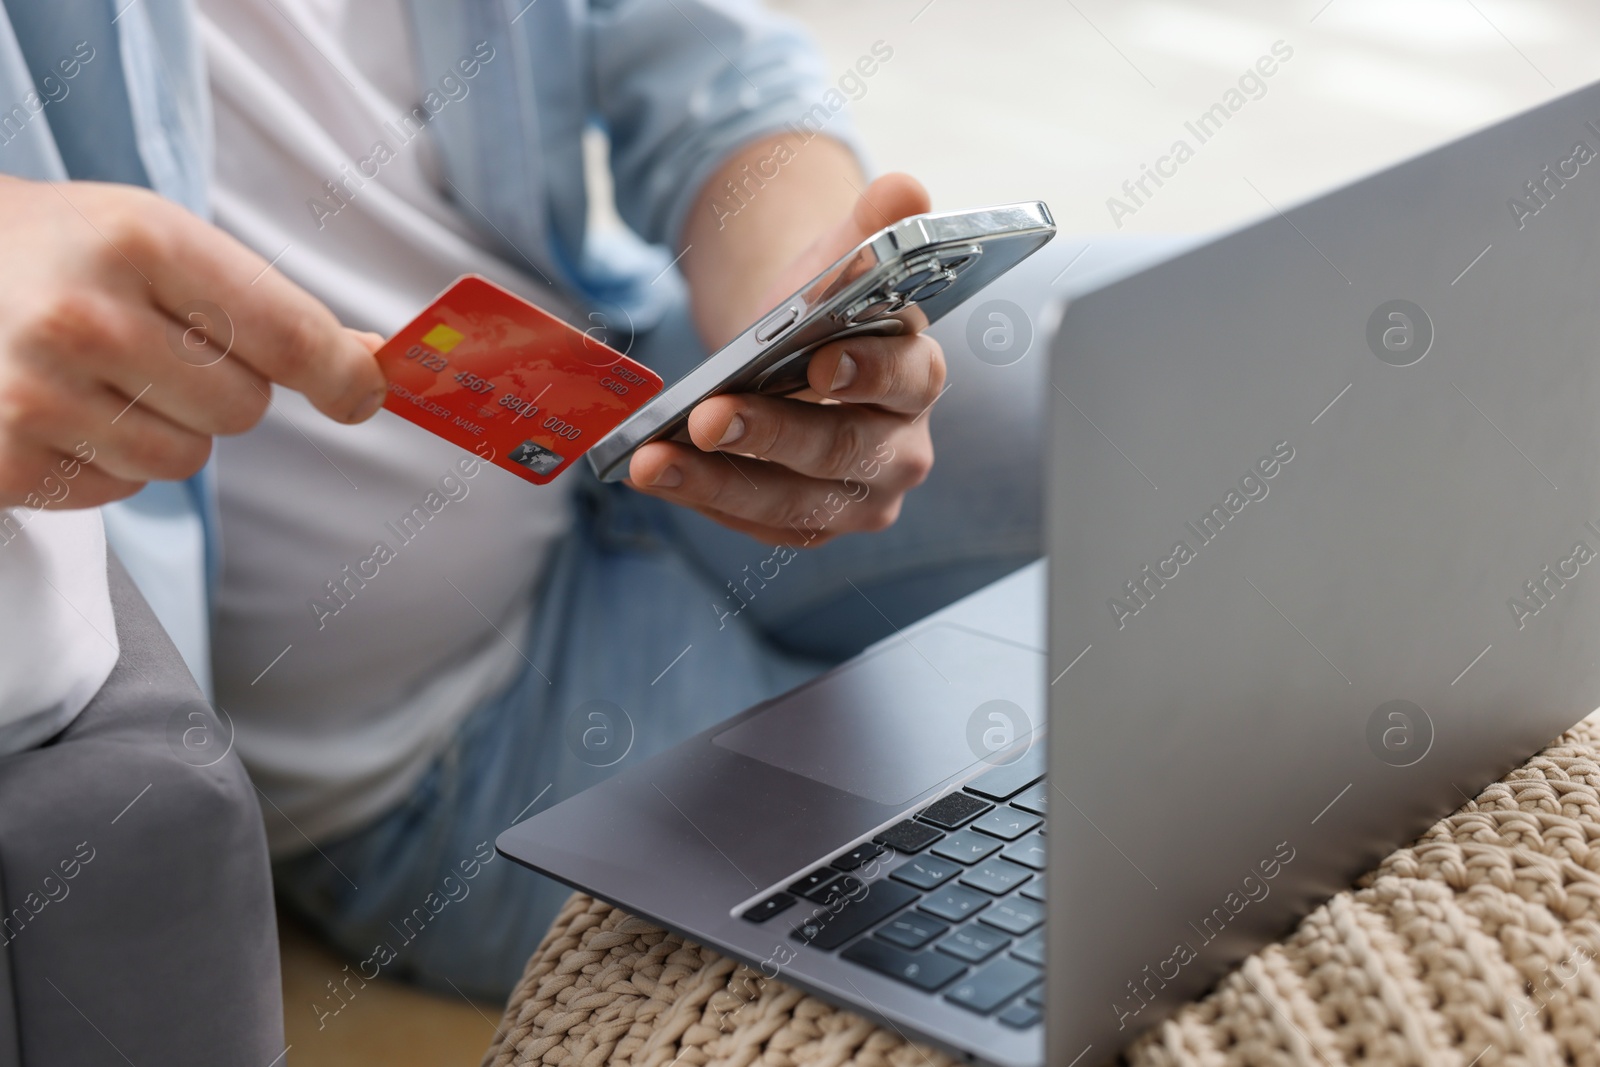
{"points": [[515, 385]]}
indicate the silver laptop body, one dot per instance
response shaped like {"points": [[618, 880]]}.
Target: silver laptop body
{"points": [[1323, 499]]}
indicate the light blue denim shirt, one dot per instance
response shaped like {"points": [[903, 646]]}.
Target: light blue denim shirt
{"points": [[677, 85]]}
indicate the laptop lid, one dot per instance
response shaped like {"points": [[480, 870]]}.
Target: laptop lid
{"points": [[1324, 530]]}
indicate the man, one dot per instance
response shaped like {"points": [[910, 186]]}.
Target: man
{"points": [[395, 720]]}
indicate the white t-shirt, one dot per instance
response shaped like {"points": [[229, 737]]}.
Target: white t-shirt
{"points": [[344, 673], [58, 639]]}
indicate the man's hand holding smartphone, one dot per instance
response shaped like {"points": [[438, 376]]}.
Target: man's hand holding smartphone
{"points": [[763, 465]]}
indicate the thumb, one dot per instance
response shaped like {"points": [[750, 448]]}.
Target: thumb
{"points": [[887, 200], [372, 341]]}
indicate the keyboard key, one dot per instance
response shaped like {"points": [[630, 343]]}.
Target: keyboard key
{"points": [[1029, 851], [1021, 1015], [911, 930], [1031, 949], [1015, 915], [858, 855], [909, 836], [760, 913], [1035, 995], [926, 872], [996, 877], [813, 880], [1007, 824], [954, 903], [953, 809], [995, 984], [925, 970], [818, 888], [966, 847], [1034, 890], [844, 887], [829, 930], [973, 943], [1034, 799], [1007, 780]]}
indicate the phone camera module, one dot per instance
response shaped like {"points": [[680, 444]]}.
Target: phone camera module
{"points": [[874, 305], [933, 286]]}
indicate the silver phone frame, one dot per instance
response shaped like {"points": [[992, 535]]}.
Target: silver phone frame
{"points": [[768, 356]]}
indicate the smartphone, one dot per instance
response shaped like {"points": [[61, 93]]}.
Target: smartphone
{"points": [[901, 279]]}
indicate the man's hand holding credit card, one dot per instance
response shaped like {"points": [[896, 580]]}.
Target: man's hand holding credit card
{"points": [[488, 371]]}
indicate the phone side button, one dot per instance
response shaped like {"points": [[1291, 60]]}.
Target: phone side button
{"points": [[777, 323]]}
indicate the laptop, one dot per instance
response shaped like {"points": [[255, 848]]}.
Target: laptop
{"points": [[1323, 535]]}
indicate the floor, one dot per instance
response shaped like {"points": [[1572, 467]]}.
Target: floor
{"points": [[1065, 101], [379, 1023]]}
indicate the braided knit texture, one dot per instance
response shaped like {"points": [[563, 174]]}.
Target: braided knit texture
{"points": [[1477, 944]]}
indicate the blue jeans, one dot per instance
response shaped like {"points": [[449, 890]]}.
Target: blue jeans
{"points": [[639, 642]]}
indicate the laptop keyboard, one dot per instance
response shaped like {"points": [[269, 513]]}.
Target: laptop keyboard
{"points": [[962, 917]]}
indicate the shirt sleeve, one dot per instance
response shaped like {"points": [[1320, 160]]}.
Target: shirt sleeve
{"points": [[682, 84]]}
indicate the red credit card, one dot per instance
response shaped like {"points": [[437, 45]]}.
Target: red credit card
{"points": [[487, 370]]}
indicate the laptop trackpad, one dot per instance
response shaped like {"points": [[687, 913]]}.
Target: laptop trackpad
{"points": [[901, 720]]}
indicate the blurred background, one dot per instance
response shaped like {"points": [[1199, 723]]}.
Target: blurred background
{"points": [[1065, 100]]}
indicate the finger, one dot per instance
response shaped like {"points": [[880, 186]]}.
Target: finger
{"points": [[904, 374], [770, 535], [147, 448], [91, 487], [890, 198], [292, 339], [131, 347], [886, 200], [369, 340], [128, 441], [765, 494], [827, 441], [37, 476], [274, 326]]}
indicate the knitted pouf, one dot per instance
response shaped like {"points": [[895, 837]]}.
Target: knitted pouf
{"points": [[1478, 943]]}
